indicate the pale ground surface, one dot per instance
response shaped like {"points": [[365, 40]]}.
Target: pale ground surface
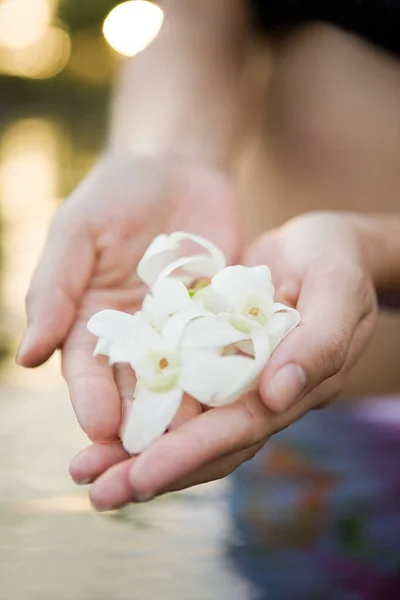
{"points": [[53, 546]]}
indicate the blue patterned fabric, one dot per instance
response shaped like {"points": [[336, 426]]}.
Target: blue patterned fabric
{"points": [[317, 513]]}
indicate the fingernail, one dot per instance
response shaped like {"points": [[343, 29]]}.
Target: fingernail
{"points": [[101, 508], [142, 498], [286, 387], [82, 481]]}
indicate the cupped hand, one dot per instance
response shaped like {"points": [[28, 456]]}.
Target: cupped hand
{"points": [[96, 240], [318, 267]]}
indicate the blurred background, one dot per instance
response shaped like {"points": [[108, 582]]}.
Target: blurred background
{"points": [[282, 527]]}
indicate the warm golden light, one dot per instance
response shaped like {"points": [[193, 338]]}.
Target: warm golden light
{"points": [[29, 181], [132, 26], [91, 59], [23, 22], [44, 59]]}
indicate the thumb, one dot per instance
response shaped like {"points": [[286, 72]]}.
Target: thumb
{"points": [[56, 288], [332, 303]]}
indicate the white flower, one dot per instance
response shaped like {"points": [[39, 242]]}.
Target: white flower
{"points": [[165, 370], [204, 329], [249, 295], [167, 298], [169, 259], [168, 255], [215, 379]]}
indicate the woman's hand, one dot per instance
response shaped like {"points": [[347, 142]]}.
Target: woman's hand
{"points": [[318, 266], [95, 243]]}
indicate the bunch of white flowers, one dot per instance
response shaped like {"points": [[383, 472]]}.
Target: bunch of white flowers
{"points": [[204, 329]]}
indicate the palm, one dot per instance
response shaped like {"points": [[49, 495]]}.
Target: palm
{"points": [[123, 206], [338, 315]]}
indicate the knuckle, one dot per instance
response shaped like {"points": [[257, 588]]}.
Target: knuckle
{"points": [[334, 353], [228, 470], [329, 391], [328, 401], [364, 291], [252, 452], [257, 421]]}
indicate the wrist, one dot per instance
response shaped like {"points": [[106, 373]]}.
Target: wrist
{"points": [[188, 152], [165, 162], [163, 169], [182, 96]]}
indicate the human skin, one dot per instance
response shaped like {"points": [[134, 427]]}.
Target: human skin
{"points": [[328, 139], [174, 178], [177, 178]]}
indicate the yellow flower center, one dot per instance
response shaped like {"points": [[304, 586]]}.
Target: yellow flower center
{"points": [[197, 285], [200, 283], [254, 311], [163, 363]]}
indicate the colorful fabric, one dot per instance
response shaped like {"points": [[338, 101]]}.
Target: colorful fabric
{"points": [[317, 513]]}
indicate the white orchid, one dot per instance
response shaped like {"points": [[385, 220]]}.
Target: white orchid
{"points": [[204, 329], [250, 309], [168, 255], [167, 298], [219, 375], [165, 370]]}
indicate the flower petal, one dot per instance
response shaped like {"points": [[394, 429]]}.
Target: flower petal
{"points": [[192, 267], [159, 254], [102, 348], [173, 329], [169, 296], [214, 380], [122, 332], [211, 332], [235, 282], [149, 417], [217, 380], [212, 300], [166, 249], [283, 321]]}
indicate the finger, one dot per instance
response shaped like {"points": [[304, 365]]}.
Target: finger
{"points": [[113, 489], [189, 409], [212, 435], [94, 393], [93, 461], [329, 390], [217, 469], [332, 303], [56, 288], [125, 379]]}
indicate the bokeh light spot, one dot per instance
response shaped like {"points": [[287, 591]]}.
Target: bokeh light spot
{"points": [[23, 22], [131, 26], [42, 60]]}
